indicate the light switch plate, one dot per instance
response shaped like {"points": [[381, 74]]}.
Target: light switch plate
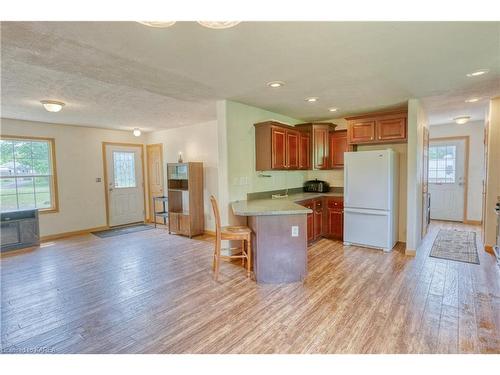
{"points": [[295, 230]]}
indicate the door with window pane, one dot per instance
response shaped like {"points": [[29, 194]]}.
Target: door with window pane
{"points": [[447, 180], [125, 185]]}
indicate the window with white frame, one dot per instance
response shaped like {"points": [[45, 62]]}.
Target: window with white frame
{"points": [[27, 174], [442, 164]]}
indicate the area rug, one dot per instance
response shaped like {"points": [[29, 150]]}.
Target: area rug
{"points": [[455, 245], [122, 230]]}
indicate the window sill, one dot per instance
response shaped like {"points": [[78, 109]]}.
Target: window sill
{"points": [[48, 211]]}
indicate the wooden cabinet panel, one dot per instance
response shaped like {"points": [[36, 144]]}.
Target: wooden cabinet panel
{"points": [[338, 145], [320, 146], [391, 129], [304, 151], [292, 149], [361, 131], [335, 223], [318, 218], [173, 222], [184, 226], [375, 128], [310, 227], [278, 139]]}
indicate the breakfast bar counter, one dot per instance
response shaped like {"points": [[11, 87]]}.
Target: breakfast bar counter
{"points": [[279, 236]]}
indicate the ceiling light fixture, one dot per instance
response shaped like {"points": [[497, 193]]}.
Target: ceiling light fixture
{"points": [[52, 105], [218, 24], [276, 84], [312, 99], [137, 132], [461, 119], [472, 100], [477, 73], [333, 109], [158, 24]]}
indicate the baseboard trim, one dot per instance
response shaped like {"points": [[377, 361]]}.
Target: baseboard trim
{"points": [[70, 234], [210, 233], [473, 222], [410, 252]]}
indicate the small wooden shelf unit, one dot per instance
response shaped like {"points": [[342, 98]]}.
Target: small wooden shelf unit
{"points": [[185, 198]]}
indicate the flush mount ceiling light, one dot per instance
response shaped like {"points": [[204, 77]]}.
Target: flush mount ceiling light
{"points": [[158, 24], [477, 73], [311, 99], [461, 119], [137, 132], [276, 84], [218, 24], [52, 105], [472, 100], [333, 109]]}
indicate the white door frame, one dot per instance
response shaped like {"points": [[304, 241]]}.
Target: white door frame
{"points": [[464, 138], [105, 165]]}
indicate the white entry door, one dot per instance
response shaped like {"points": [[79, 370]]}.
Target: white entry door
{"points": [[447, 180], [125, 184]]}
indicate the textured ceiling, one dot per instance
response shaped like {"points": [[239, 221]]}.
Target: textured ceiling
{"points": [[124, 75]]}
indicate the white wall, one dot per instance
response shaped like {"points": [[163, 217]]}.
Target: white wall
{"points": [[197, 143], [79, 162], [475, 132], [417, 121]]}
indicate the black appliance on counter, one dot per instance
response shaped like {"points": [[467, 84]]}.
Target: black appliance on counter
{"points": [[316, 186]]}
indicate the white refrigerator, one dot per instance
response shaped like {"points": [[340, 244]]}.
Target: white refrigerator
{"points": [[371, 199]]}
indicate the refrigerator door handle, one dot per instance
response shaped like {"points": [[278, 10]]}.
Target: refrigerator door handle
{"points": [[366, 211]]}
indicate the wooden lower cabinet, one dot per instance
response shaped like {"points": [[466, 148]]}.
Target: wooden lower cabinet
{"points": [[336, 223], [179, 223], [327, 218]]}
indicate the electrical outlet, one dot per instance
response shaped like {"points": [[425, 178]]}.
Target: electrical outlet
{"points": [[295, 230]]}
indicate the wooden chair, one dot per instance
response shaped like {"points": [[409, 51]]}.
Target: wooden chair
{"points": [[232, 233]]}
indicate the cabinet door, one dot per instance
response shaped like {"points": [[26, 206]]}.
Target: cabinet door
{"points": [[320, 144], [318, 223], [278, 145], [292, 150], [310, 227], [338, 145], [173, 222], [391, 129], [184, 226], [361, 131], [335, 223], [305, 151]]}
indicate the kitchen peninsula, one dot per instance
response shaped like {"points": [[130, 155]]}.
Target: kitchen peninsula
{"points": [[282, 229]]}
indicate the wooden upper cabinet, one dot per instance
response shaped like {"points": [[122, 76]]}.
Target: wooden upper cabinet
{"points": [[320, 142], [391, 129], [361, 131], [278, 147], [374, 128], [304, 150], [292, 149], [338, 145]]}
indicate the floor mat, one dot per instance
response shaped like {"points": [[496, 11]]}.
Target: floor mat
{"points": [[455, 245], [122, 230]]}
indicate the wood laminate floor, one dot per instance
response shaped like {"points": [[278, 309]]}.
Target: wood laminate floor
{"points": [[149, 292]]}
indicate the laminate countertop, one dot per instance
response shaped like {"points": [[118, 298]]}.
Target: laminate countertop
{"points": [[281, 206]]}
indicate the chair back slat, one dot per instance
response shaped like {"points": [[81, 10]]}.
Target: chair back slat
{"points": [[215, 207]]}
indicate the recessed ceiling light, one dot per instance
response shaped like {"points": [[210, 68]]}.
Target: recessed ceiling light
{"points": [[52, 105], [479, 72], [312, 99], [333, 109], [137, 132], [472, 100], [461, 119], [158, 24], [276, 84]]}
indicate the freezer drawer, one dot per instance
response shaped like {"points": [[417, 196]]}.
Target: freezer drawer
{"points": [[369, 228]]}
